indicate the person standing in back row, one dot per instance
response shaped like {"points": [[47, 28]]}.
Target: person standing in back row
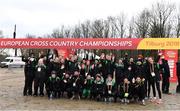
{"points": [[39, 79], [165, 75], [154, 79], [29, 71]]}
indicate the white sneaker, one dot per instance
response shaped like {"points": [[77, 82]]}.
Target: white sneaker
{"points": [[79, 97], [105, 99], [153, 99], [143, 102], [122, 100], [72, 97], [127, 101], [159, 101]]}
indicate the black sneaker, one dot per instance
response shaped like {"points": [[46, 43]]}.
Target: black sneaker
{"points": [[25, 94], [42, 94], [30, 94], [35, 94]]}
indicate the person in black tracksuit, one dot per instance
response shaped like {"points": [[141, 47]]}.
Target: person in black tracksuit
{"points": [[76, 84], [29, 71], [145, 67], [53, 85], [119, 71], [62, 69], [132, 65], [178, 76], [153, 78], [126, 85], [165, 76], [49, 69], [70, 66], [125, 91], [140, 70], [109, 90], [88, 66], [83, 70], [139, 88], [98, 87], [93, 70], [178, 71], [56, 66], [39, 79], [126, 62], [109, 66], [66, 85], [102, 67]]}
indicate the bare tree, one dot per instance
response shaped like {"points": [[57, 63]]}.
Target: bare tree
{"points": [[117, 25], [121, 25], [85, 29], [106, 30], [29, 36], [47, 36], [112, 28], [142, 24], [76, 32], [97, 28], [168, 30], [131, 28], [178, 27], [161, 15], [67, 33], [58, 33]]}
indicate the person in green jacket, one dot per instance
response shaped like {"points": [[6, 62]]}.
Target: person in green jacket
{"points": [[87, 86]]}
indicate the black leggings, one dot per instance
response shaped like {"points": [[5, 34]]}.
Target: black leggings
{"points": [[28, 85], [158, 89], [165, 84], [152, 82], [39, 82]]}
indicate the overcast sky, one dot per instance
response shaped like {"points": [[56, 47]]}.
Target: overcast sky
{"points": [[40, 17]]}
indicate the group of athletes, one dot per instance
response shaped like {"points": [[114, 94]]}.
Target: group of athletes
{"points": [[107, 78]]}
